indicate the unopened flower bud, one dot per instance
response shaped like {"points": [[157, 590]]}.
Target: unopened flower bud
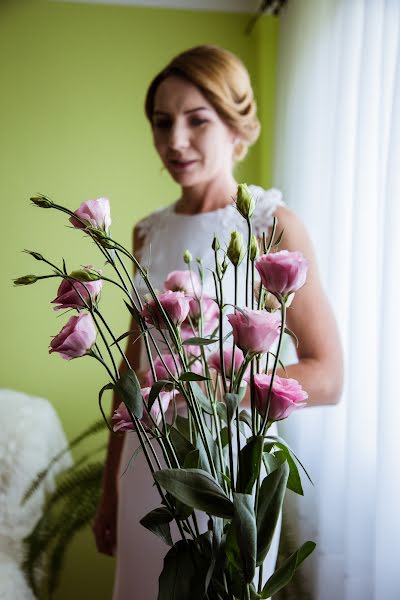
{"points": [[187, 257], [26, 280], [245, 202], [254, 248], [86, 274], [42, 201], [200, 268], [101, 237], [215, 245], [34, 254], [236, 250]]}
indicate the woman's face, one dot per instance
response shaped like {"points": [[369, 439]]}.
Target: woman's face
{"points": [[193, 142]]}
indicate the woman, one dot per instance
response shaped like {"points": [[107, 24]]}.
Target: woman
{"points": [[203, 118]]}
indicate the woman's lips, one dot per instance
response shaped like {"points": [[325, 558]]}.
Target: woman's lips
{"points": [[181, 165]]}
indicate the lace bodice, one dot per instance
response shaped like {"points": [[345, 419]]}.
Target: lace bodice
{"points": [[166, 235]]}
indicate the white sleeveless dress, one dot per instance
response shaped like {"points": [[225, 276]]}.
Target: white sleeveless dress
{"points": [[166, 235]]}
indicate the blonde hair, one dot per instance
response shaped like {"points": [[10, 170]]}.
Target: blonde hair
{"points": [[225, 83]]}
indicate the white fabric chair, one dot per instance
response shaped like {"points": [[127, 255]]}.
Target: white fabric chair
{"points": [[30, 436]]}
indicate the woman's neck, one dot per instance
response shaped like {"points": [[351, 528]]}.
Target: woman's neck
{"points": [[207, 196]]}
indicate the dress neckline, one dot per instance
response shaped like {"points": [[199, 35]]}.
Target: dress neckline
{"points": [[214, 212]]}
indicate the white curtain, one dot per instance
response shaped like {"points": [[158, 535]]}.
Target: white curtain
{"points": [[338, 162]]}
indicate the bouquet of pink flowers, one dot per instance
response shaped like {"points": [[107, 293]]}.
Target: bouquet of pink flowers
{"points": [[217, 462]]}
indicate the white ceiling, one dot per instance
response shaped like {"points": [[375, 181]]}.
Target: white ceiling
{"points": [[249, 6]]}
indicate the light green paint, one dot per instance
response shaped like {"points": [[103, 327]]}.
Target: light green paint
{"points": [[71, 126]]}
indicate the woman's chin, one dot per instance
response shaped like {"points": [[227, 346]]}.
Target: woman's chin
{"points": [[185, 179]]}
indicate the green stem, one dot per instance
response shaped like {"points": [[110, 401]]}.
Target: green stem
{"points": [[232, 375], [105, 365], [264, 424], [96, 310], [260, 578], [219, 291], [249, 229]]}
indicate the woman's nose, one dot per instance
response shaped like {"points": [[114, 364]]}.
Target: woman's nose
{"points": [[178, 137]]}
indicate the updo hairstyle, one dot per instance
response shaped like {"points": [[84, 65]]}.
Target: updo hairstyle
{"points": [[224, 81]]}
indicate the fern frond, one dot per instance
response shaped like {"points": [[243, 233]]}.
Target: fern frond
{"points": [[77, 514], [72, 503], [75, 479], [93, 429]]}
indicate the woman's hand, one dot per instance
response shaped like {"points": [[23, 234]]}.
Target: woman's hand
{"points": [[105, 524]]}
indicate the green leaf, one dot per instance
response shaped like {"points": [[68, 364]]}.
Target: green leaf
{"points": [[246, 418], [134, 312], [227, 336], [108, 386], [189, 376], [279, 238], [199, 341], [128, 387], [192, 460], [182, 511], [182, 424], [270, 499], [272, 461], [185, 573], [232, 550], [197, 489], [225, 434], [221, 411], [294, 481], [123, 336], [250, 458], [181, 444], [284, 574], [246, 533], [156, 388], [208, 544], [277, 438], [202, 399], [212, 446], [232, 402], [157, 521], [254, 595], [292, 335], [216, 525]]}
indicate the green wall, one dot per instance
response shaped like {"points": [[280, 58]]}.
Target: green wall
{"points": [[73, 79]]}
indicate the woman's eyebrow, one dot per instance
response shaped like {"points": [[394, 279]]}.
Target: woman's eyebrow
{"points": [[186, 112]]}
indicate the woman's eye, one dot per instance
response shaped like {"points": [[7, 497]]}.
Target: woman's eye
{"points": [[164, 124], [196, 122]]}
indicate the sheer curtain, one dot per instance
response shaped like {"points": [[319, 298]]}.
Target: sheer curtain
{"points": [[338, 162]]}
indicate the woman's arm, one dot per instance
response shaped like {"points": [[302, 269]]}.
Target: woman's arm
{"points": [[310, 317], [105, 523]]}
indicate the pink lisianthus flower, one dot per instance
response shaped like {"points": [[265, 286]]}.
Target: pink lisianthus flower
{"points": [[287, 395], [214, 361], [161, 370], [255, 330], [175, 304], [94, 213], [187, 282], [76, 337], [282, 272], [210, 317], [187, 333], [164, 398], [122, 419], [68, 293]]}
